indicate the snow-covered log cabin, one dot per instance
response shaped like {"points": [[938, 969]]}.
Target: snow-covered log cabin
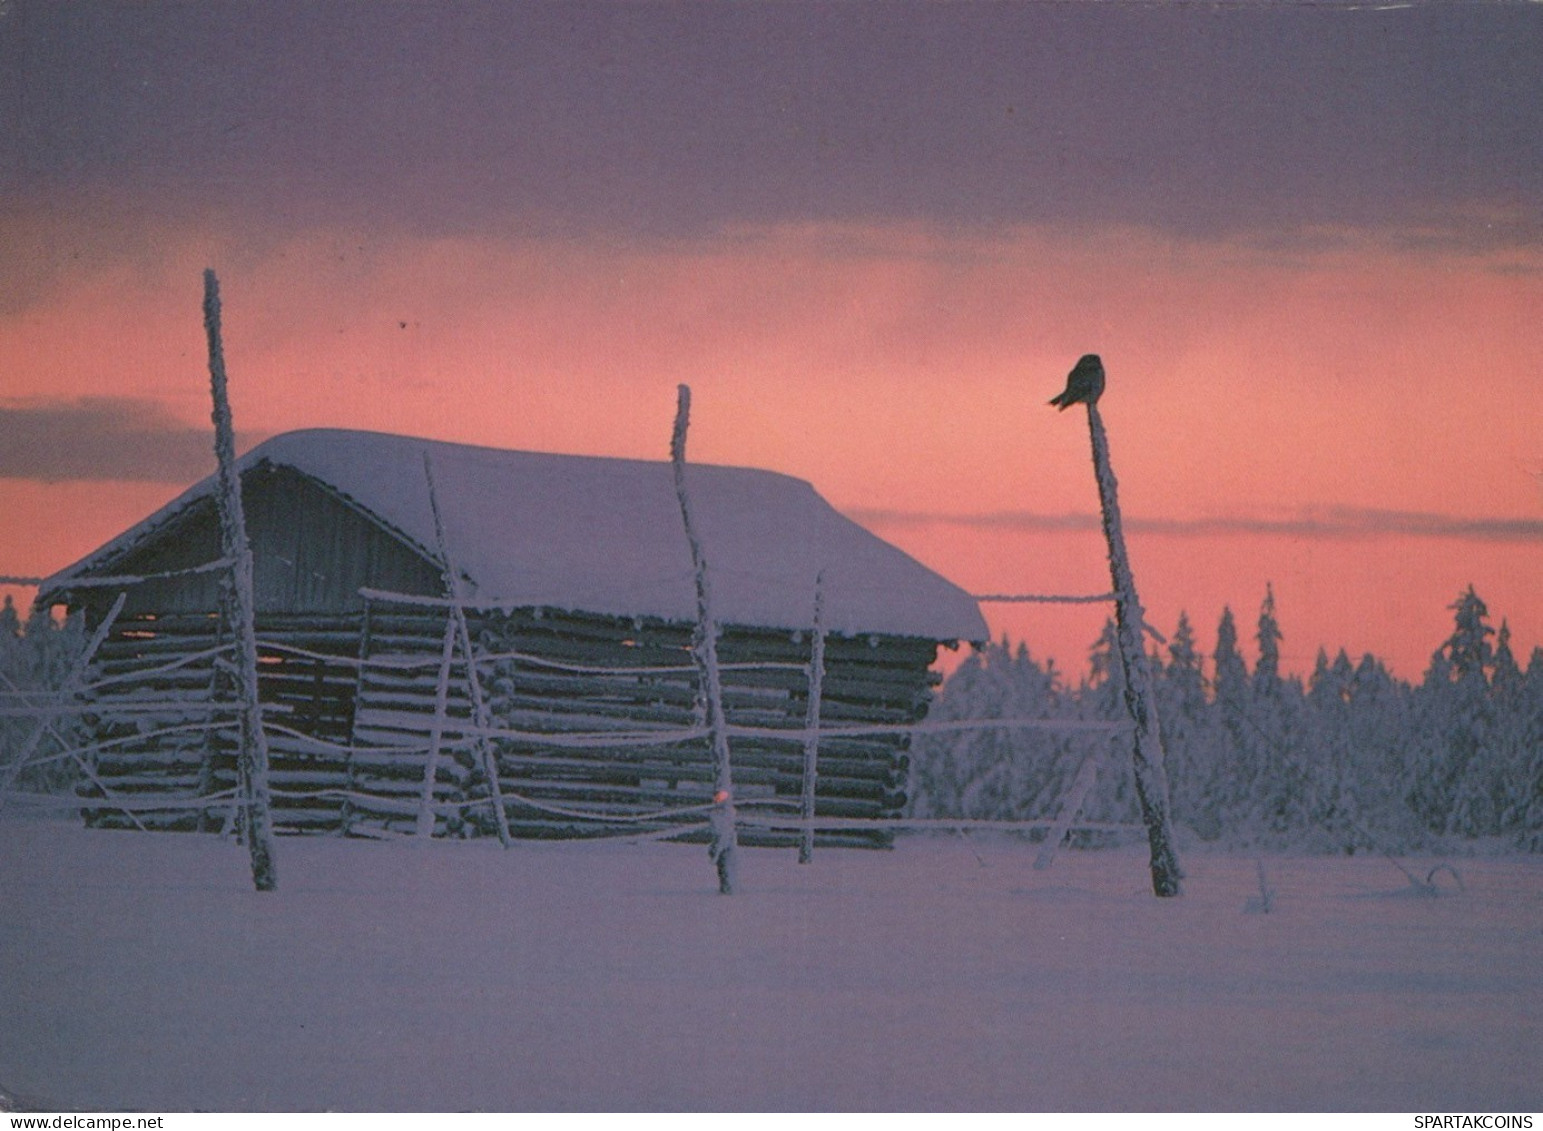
{"points": [[577, 579]]}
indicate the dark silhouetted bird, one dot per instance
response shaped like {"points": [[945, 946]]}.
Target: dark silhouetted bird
{"points": [[1084, 385]]}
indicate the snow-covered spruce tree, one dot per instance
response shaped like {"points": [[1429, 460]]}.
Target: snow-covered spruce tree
{"points": [[1101, 697], [1106, 682], [1035, 768], [1468, 648], [1329, 757], [1287, 763], [1455, 788], [939, 763], [13, 729], [1235, 783], [1426, 760], [1381, 717], [1527, 824], [46, 649], [1516, 737], [1231, 672], [1044, 762], [1267, 670], [35, 660], [1476, 770], [1504, 671], [1289, 781], [1196, 748], [995, 774]]}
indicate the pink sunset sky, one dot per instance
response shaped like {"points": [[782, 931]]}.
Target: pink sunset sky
{"points": [[1306, 242]]}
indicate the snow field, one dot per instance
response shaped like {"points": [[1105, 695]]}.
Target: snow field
{"points": [[142, 971]]}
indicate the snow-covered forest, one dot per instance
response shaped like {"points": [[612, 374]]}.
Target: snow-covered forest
{"points": [[36, 656], [1349, 760]]}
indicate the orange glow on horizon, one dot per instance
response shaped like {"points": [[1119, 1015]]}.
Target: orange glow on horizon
{"points": [[898, 370]]}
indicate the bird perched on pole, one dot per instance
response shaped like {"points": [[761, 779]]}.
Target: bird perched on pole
{"points": [[1084, 384]]}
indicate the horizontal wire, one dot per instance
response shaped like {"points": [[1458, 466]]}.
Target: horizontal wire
{"points": [[1044, 599], [406, 807]]}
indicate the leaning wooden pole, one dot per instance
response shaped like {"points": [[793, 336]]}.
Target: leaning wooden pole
{"points": [[425, 827], [1140, 700], [723, 848], [252, 755], [479, 709], [812, 723]]}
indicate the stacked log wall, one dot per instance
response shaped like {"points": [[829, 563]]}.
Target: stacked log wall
{"points": [[160, 719], [870, 680], [358, 733], [394, 727], [165, 724], [308, 713]]}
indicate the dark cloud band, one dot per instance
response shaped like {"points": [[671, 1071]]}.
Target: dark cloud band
{"points": [[1214, 120], [107, 438]]}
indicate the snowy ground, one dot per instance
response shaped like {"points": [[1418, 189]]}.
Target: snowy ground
{"points": [[142, 971]]}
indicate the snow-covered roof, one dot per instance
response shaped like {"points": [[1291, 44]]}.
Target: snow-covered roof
{"points": [[598, 535]]}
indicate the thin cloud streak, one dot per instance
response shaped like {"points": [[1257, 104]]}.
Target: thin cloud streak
{"points": [[1336, 523]]}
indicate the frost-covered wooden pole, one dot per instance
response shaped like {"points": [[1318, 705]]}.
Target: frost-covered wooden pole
{"points": [[1140, 700], [723, 849], [436, 732], [473, 684], [1071, 808], [1084, 385], [252, 755], [812, 722]]}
